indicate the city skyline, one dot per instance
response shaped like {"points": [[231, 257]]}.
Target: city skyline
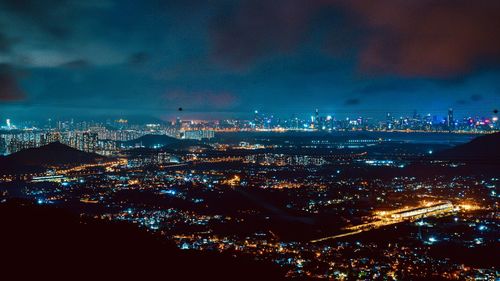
{"points": [[250, 115], [107, 137]]}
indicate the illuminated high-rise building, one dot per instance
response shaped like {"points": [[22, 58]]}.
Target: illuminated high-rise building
{"points": [[389, 121], [449, 119], [316, 119], [178, 123], [258, 119]]}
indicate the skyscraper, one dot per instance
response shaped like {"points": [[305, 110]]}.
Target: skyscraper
{"points": [[449, 120], [178, 123], [256, 119], [389, 121]]}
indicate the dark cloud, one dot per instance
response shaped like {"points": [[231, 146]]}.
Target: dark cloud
{"points": [[9, 87], [462, 102], [5, 43], [476, 97], [50, 33], [429, 38], [49, 15], [76, 64], [407, 38], [392, 87], [139, 58], [246, 54], [352, 101], [248, 30], [426, 38], [202, 100]]}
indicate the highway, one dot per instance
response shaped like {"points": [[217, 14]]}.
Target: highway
{"points": [[386, 218]]}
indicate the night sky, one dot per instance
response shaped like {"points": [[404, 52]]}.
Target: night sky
{"points": [[63, 58]]}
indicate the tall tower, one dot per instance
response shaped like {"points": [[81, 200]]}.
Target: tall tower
{"points": [[316, 119], [449, 120], [388, 120], [178, 123]]}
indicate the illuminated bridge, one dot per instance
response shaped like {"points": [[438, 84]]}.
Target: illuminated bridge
{"points": [[385, 218], [425, 210]]}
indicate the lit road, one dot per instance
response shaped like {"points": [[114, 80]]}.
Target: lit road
{"points": [[400, 215], [336, 236]]}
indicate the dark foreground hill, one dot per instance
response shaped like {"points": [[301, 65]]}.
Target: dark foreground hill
{"points": [[482, 150], [479, 156], [53, 154], [45, 241]]}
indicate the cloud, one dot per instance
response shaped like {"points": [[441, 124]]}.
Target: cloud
{"points": [[5, 43], [445, 39], [430, 39], [476, 97], [352, 101], [249, 30], [299, 48], [76, 64], [59, 18], [51, 16], [138, 58], [201, 100], [50, 33], [9, 87], [389, 87]]}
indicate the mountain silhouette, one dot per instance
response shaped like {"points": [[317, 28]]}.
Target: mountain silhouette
{"points": [[53, 154], [481, 150]]}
